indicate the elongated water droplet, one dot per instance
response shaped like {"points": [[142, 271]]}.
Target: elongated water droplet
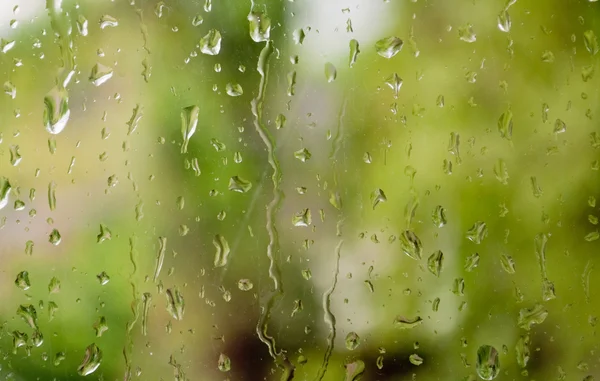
{"points": [[530, 316], [56, 111], [22, 280], [260, 25], [52, 195], [505, 125], [394, 82], [291, 78], [477, 232], [54, 237], [222, 251], [354, 370], [415, 359], [234, 89], [377, 197], [330, 72], [37, 339], [507, 263], [504, 22], [210, 44], [522, 351], [54, 285], [591, 42], [10, 89], [136, 116], [100, 326], [175, 303], [5, 189], [435, 263], [15, 155], [224, 363], [100, 74], [91, 360], [471, 262], [488, 362], [82, 25], [240, 185], [298, 36], [411, 244], [28, 314], [147, 300], [466, 33], [389, 46], [160, 257], [354, 51], [104, 235], [407, 323], [29, 247], [189, 122], [6, 45]]}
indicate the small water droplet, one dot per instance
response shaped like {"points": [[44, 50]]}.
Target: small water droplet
{"points": [[175, 303], [507, 263], [15, 155], [189, 122], [240, 185], [54, 285], [394, 82], [54, 237], [466, 33], [488, 362], [298, 36], [234, 89], [82, 25], [197, 20], [28, 314], [477, 232], [222, 251], [377, 197], [104, 235], [435, 263], [504, 22], [107, 21], [303, 155], [5, 189], [330, 72], [224, 363], [407, 323], [245, 284], [591, 42], [354, 51], [6, 45], [415, 359], [388, 47], [10, 89], [103, 278], [352, 341], [471, 262], [210, 44], [547, 56], [22, 280], [52, 195], [302, 218], [559, 126], [505, 124], [411, 244]]}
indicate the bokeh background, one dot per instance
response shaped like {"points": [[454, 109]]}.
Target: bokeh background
{"points": [[489, 112]]}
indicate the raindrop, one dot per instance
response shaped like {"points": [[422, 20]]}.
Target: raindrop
{"points": [[466, 33], [56, 111], [280, 120], [302, 219], [522, 351], [10, 89], [54, 237], [28, 314], [505, 125], [100, 74], [54, 285], [415, 359], [15, 155], [352, 341], [354, 51], [411, 244], [91, 360], [210, 44], [5, 189], [222, 251], [377, 197], [224, 363], [189, 122], [439, 216], [103, 278], [477, 232], [52, 195], [591, 42], [240, 185], [260, 26], [82, 25], [488, 363], [22, 280], [507, 263], [407, 323], [234, 89], [245, 284], [547, 56], [104, 235], [107, 21], [175, 303], [472, 262], [298, 36], [100, 326], [6, 45], [435, 263], [303, 155], [389, 46], [197, 20], [394, 82], [330, 72], [504, 22], [559, 126], [530, 316]]}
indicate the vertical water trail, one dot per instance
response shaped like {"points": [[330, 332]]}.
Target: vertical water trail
{"points": [[328, 316], [273, 206], [128, 348]]}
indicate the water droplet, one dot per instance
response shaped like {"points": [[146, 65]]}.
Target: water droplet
{"points": [[280, 120], [504, 22], [210, 44], [508, 263], [100, 326], [291, 78], [189, 122], [298, 36], [530, 316], [240, 185], [389, 46], [415, 359], [28, 314], [197, 20], [352, 341], [559, 126], [535, 187], [15, 155], [58, 358], [82, 25], [103, 278], [522, 351], [302, 219], [471, 262], [54, 285], [547, 56], [104, 235], [54, 237], [488, 363], [354, 51], [19, 340], [466, 33], [245, 284], [591, 42], [435, 263], [260, 25], [592, 236], [234, 89], [175, 303], [29, 247], [330, 72], [100, 74], [52, 195], [22, 280], [394, 82], [10, 89], [505, 125], [458, 287], [407, 323], [222, 251], [6, 45], [477, 232], [5, 189], [37, 338], [377, 197], [411, 244], [107, 21], [307, 274], [91, 360], [303, 155], [354, 370], [56, 111], [224, 363]]}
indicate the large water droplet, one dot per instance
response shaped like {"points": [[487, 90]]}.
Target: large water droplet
{"points": [[466, 33], [477, 232], [389, 46], [302, 218], [591, 42], [504, 22], [189, 122], [56, 111], [488, 362], [5, 189], [260, 25], [530, 316], [91, 360], [435, 263], [224, 363], [352, 341], [238, 184], [354, 51], [175, 303], [54, 237], [210, 44], [411, 244], [234, 89], [22, 280]]}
